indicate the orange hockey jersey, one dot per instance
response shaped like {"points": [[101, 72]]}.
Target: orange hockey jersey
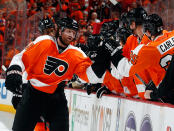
{"points": [[131, 43], [132, 84], [113, 84], [46, 67]]}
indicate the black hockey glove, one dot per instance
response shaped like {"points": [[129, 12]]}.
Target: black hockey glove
{"points": [[16, 100], [154, 95], [102, 90], [111, 45], [115, 50], [13, 81], [92, 87], [74, 78], [89, 88], [101, 62]]}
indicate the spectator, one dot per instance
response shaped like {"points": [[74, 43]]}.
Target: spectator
{"points": [[2, 32], [76, 12], [10, 53], [94, 18]]}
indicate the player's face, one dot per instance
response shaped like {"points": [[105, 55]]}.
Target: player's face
{"points": [[68, 35], [133, 27]]}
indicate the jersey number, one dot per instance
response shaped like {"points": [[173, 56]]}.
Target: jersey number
{"points": [[164, 62]]}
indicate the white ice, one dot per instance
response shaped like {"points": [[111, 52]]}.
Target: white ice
{"points": [[6, 121]]}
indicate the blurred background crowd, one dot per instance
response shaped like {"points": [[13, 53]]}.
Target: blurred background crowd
{"points": [[19, 19]]}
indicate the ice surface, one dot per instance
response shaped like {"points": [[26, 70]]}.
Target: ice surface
{"points": [[6, 121]]}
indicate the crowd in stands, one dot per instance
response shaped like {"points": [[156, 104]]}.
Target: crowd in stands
{"points": [[90, 14]]}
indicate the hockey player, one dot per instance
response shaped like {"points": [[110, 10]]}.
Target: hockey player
{"points": [[48, 63], [154, 57], [128, 83], [135, 19], [46, 27]]}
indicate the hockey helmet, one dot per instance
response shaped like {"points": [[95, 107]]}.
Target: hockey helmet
{"points": [[138, 15], [153, 24], [67, 23], [45, 23]]}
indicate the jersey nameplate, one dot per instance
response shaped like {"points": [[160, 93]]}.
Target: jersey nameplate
{"points": [[59, 67], [165, 46]]}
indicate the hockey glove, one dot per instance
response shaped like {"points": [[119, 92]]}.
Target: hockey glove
{"points": [[153, 95], [16, 100], [102, 90], [115, 50], [111, 45], [91, 88], [13, 81]]}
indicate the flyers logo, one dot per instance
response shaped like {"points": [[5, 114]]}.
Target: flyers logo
{"points": [[133, 58], [59, 67]]}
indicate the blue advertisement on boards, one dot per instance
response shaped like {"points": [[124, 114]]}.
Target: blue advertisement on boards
{"points": [[3, 90]]}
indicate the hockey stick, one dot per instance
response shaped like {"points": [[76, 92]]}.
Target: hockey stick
{"points": [[3, 68]]}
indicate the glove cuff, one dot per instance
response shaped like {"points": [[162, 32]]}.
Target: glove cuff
{"points": [[14, 72], [117, 49], [14, 69]]}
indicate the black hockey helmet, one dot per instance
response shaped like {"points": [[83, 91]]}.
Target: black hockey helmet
{"points": [[138, 15], [45, 23], [67, 23], [153, 24], [122, 34], [109, 28]]}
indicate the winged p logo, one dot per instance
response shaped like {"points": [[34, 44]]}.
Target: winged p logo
{"points": [[59, 67]]}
